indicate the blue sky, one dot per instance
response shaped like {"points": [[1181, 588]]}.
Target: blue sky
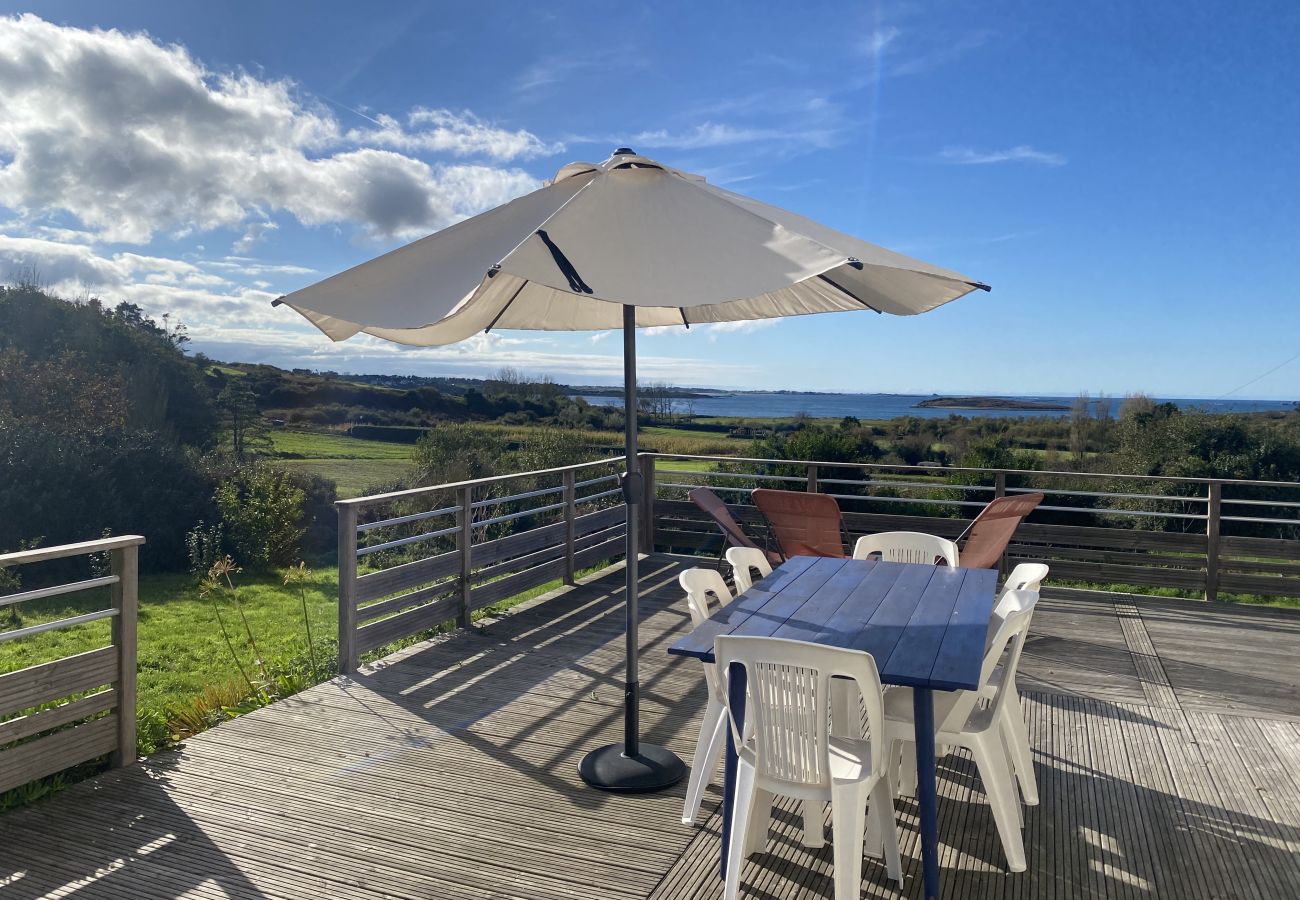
{"points": [[1125, 176]]}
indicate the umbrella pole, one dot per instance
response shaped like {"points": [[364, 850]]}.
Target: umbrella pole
{"points": [[631, 767]]}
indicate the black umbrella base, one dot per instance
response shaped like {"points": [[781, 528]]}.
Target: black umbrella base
{"points": [[652, 769]]}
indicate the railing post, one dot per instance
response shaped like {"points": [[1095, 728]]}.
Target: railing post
{"points": [[1213, 505], [349, 659], [812, 479], [126, 566], [648, 503], [569, 479], [465, 545]]}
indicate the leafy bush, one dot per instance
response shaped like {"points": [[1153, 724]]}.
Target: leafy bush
{"points": [[261, 511], [205, 546]]}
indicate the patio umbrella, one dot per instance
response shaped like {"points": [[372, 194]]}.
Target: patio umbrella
{"points": [[626, 243]]}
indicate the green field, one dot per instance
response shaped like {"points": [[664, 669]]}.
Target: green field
{"points": [[181, 649], [357, 466]]}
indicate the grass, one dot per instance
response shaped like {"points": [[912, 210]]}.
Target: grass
{"points": [[180, 648], [356, 465]]}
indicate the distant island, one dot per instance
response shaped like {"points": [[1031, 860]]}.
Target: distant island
{"points": [[988, 403]]}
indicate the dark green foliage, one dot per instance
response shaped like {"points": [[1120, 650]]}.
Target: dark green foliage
{"points": [[261, 512], [161, 390], [245, 429]]}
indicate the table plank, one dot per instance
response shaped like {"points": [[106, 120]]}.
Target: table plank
{"points": [[809, 622], [843, 627], [889, 622], [961, 657], [699, 643], [913, 656]]}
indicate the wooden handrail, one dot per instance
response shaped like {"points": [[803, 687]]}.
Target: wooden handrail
{"points": [[358, 502], [41, 554], [946, 470]]}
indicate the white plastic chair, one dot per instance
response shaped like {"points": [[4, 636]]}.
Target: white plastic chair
{"points": [[1024, 577], [906, 546], [703, 587], [964, 723], [1019, 595], [788, 749], [742, 560]]}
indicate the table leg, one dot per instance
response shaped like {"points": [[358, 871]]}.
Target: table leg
{"points": [[736, 689], [926, 788]]}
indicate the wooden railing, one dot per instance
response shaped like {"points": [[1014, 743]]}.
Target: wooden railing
{"points": [[416, 559], [1203, 536], [77, 708]]}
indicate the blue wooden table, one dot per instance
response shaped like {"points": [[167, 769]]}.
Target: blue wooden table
{"points": [[924, 625]]}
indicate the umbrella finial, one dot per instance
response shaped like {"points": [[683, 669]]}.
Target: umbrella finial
{"points": [[624, 151]]}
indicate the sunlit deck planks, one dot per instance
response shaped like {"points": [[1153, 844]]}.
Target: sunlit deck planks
{"points": [[1167, 736]]}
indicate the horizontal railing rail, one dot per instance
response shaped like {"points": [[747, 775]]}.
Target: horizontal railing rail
{"points": [[404, 569], [77, 708], [1093, 527], [414, 559]]}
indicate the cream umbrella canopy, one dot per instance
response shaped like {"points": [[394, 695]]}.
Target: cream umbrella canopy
{"points": [[626, 243]]}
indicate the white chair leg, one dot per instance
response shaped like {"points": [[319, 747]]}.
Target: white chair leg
{"points": [[744, 803], [708, 746], [884, 820], [907, 777], [998, 782], [814, 832], [874, 836], [1022, 757], [848, 822], [760, 822]]}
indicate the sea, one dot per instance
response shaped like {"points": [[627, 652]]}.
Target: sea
{"points": [[778, 404]]}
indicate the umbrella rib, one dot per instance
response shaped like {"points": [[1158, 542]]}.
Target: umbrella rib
{"points": [[497, 317], [682, 310], [848, 293]]}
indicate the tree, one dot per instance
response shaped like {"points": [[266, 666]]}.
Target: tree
{"points": [[1080, 422], [247, 430]]}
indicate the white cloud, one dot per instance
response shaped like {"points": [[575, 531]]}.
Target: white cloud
{"points": [[967, 156], [717, 134], [461, 134], [876, 42], [253, 233], [940, 51], [133, 137]]}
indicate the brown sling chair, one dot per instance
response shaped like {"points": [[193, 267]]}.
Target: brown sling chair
{"points": [[804, 524], [716, 510], [988, 535]]}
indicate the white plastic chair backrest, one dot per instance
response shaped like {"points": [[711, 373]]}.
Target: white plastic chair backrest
{"points": [[742, 559], [1021, 591], [789, 703], [700, 585], [1003, 632], [1026, 577], [1009, 638], [907, 547]]}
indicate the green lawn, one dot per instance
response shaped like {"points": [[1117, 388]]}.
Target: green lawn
{"points": [[356, 465], [180, 647]]}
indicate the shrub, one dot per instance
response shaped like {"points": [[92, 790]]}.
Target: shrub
{"points": [[261, 512]]}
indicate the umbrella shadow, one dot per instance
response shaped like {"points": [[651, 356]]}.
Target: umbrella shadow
{"points": [[558, 666]]}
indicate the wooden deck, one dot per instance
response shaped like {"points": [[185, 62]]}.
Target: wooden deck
{"points": [[1167, 737]]}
